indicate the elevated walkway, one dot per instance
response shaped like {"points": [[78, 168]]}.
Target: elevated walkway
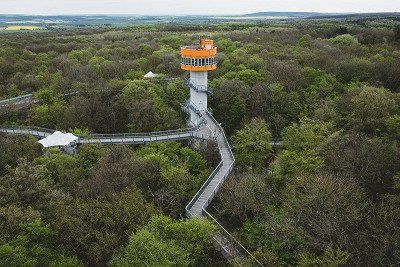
{"points": [[208, 128], [112, 139]]}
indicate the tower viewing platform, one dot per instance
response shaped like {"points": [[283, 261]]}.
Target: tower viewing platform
{"points": [[198, 60], [199, 57]]}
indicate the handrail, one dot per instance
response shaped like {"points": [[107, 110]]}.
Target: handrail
{"points": [[38, 131], [146, 134], [223, 133], [27, 128], [202, 188], [30, 98], [229, 236], [198, 88], [10, 101], [223, 232]]}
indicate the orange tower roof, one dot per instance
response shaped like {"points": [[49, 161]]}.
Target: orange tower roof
{"points": [[199, 57]]}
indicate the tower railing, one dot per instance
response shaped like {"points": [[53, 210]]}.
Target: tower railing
{"points": [[199, 88]]}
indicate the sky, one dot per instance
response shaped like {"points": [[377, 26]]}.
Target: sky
{"points": [[192, 7]]}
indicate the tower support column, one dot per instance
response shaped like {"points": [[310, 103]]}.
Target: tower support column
{"points": [[198, 93]]}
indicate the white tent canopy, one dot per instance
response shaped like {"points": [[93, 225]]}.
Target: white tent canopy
{"points": [[58, 139], [150, 75]]}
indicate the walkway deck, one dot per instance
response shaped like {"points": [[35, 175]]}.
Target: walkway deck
{"points": [[209, 128]]}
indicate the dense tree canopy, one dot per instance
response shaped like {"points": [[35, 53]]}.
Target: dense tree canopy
{"points": [[326, 195]]}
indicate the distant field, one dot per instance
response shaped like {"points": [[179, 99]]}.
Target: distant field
{"points": [[22, 28]]}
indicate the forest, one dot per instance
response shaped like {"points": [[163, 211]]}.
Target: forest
{"points": [[329, 195]]}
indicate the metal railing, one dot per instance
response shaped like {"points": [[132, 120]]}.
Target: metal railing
{"points": [[199, 88], [230, 247], [223, 134], [228, 250], [201, 190], [30, 98], [147, 134], [190, 106], [16, 100], [32, 130]]}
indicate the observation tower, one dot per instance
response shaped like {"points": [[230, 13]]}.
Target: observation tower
{"points": [[198, 59]]}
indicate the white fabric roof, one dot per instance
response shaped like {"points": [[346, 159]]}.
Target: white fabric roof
{"points": [[58, 139], [150, 75]]}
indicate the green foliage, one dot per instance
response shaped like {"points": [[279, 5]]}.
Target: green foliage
{"points": [[248, 76], [393, 128], [323, 206], [229, 98], [34, 247], [46, 95], [334, 195], [298, 162], [276, 237], [252, 145], [29, 187], [89, 155], [81, 132], [98, 226], [146, 108], [369, 161], [181, 168], [306, 135], [301, 142], [145, 249], [134, 75], [331, 257], [245, 197], [319, 85], [14, 148], [169, 243], [344, 39], [305, 40], [370, 107], [62, 169], [285, 107], [47, 115], [354, 70]]}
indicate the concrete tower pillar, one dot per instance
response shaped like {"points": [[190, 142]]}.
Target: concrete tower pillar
{"points": [[198, 93]]}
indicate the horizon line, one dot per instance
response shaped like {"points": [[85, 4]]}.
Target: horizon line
{"points": [[232, 14]]}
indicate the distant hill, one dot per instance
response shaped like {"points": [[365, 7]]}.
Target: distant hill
{"points": [[286, 14], [316, 15], [388, 15]]}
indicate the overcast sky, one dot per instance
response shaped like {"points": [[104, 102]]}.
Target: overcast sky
{"points": [[179, 7]]}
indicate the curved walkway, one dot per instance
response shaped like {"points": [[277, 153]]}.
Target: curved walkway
{"points": [[111, 139], [208, 128]]}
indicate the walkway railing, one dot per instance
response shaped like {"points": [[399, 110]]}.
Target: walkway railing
{"points": [[201, 190], [198, 88], [16, 100], [31, 130], [230, 247]]}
